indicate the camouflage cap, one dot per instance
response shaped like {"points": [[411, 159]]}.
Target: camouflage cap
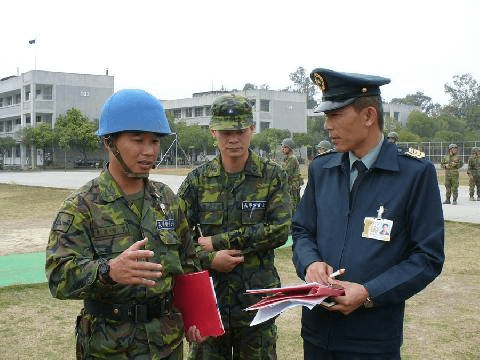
{"points": [[324, 144], [451, 146], [231, 112], [288, 142], [392, 134]]}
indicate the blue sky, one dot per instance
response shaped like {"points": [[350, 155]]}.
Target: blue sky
{"points": [[173, 49]]}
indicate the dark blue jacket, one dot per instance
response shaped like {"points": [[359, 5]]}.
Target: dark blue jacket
{"points": [[326, 227]]}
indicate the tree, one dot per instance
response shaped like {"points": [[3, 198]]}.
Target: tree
{"points": [[418, 99], [74, 130], [6, 143], [421, 124], [464, 92], [249, 86], [303, 84], [40, 136], [269, 139], [194, 137]]}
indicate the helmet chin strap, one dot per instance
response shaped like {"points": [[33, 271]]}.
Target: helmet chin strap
{"points": [[125, 167]]}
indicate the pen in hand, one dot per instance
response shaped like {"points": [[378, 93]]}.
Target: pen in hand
{"points": [[337, 273], [199, 230]]}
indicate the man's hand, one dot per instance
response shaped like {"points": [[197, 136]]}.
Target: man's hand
{"points": [[206, 242], [132, 268], [355, 296], [318, 272], [193, 335], [226, 260]]}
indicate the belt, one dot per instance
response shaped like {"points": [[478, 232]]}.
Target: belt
{"points": [[130, 312]]}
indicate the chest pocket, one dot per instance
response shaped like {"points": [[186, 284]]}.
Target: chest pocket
{"points": [[253, 212], [111, 240], [211, 213]]}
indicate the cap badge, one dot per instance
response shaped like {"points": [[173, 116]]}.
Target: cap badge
{"points": [[364, 90], [319, 81]]}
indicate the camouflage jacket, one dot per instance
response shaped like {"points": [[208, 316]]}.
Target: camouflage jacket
{"points": [[474, 165], [97, 221], [292, 168], [452, 163], [249, 211]]}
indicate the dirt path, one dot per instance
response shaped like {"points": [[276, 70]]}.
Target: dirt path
{"points": [[23, 235]]}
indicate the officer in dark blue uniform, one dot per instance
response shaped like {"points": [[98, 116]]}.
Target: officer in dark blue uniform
{"points": [[352, 196]]}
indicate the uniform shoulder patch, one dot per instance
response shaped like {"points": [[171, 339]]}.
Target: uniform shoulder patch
{"points": [[328, 152], [414, 153], [62, 222]]}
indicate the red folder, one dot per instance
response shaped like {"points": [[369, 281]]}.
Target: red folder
{"points": [[194, 296]]}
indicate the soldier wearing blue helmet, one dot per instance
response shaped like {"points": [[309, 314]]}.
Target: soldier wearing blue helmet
{"points": [[372, 211], [118, 241]]}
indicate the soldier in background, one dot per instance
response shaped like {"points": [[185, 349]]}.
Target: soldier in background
{"points": [[242, 207], [473, 172], [118, 241], [323, 146], [451, 163], [392, 137], [292, 168]]}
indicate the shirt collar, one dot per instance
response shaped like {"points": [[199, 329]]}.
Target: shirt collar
{"points": [[368, 159]]}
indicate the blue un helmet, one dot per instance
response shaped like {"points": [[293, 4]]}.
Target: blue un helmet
{"points": [[133, 110]]}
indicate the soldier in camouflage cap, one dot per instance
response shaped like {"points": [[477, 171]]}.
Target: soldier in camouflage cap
{"points": [[242, 206], [392, 137], [473, 172], [451, 163], [118, 242], [323, 146], [292, 168]]}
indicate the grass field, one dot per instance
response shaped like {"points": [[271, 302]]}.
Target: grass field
{"points": [[442, 322]]}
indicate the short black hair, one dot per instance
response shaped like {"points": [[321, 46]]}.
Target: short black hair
{"points": [[365, 101]]}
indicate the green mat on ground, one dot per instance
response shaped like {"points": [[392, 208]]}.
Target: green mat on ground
{"points": [[29, 268], [26, 268]]}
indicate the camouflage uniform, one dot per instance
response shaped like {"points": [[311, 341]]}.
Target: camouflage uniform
{"points": [[98, 221], [451, 163], [474, 174], [295, 181], [248, 211]]}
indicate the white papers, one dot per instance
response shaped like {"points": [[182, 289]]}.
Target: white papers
{"points": [[280, 299]]}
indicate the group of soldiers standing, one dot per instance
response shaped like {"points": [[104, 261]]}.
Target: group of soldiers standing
{"points": [[452, 162]]}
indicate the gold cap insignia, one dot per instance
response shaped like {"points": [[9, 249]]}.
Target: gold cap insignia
{"points": [[364, 90], [320, 82]]}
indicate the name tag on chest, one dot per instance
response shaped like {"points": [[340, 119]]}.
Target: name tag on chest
{"points": [[254, 205], [167, 224]]}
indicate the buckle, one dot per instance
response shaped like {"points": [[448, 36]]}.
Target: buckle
{"points": [[138, 313]]}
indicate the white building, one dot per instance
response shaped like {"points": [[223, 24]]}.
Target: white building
{"points": [[272, 109], [40, 96]]}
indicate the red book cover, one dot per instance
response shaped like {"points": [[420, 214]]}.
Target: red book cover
{"points": [[194, 296]]}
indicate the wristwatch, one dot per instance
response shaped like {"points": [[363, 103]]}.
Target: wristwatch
{"points": [[104, 271], [368, 304]]}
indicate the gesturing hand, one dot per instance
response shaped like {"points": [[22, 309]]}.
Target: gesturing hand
{"points": [[132, 267]]}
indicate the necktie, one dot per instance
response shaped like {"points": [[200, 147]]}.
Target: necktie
{"points": [[362, 170]]}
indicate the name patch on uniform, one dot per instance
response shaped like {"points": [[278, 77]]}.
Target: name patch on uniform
{"points": [[254, 205], [62, 222], [167, 224]]}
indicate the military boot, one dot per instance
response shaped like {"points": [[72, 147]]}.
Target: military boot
{"points": [[472, 198], [454, 202], [447, 201]]}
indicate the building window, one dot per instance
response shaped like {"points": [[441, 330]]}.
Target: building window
{"points": [[253, 102], [177, 113], [17, 151], [208, 110], [264, 125], [27, 92], [38, 119], [188, 112], [8, 100], [8, 126], [198, 111], [38, 93], [396, 115], [265, 105], [1, 102], [18, 98], [27, 119], [18, 121], [1, 126]]}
